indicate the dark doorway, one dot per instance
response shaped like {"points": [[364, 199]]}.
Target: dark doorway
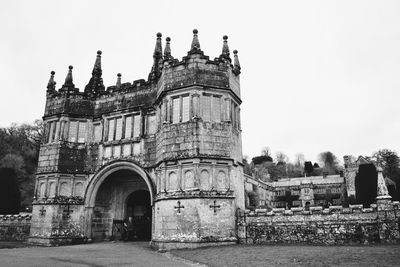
{"points": [[139, 208]]}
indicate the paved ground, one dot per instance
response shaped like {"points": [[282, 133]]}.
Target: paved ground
{"points": [[139, 254], [97, 254], [294, 255]]}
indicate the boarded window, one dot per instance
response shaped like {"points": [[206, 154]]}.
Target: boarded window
{"points": [[206, 106], [128, 127], [79, 189], [175, 110], [82, 132], [221, 181], [188, 179], [172, 181], [136, 126], [118, 129], [52, 189], [204, 180], [73, 128], [185, 108], [42, 190], [151, 124], [110, 135], [97, 132], [216, 109], [64, 189]]}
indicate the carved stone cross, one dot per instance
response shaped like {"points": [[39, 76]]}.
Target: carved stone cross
{"points": [[42, 211], [215, 206], [179, 207]]}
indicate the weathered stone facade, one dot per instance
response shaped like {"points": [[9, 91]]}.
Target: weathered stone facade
{"points": [[176, 136], [15, 227], [332, 226]]}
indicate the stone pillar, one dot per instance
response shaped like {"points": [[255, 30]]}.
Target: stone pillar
{"points": [[387, 222]]}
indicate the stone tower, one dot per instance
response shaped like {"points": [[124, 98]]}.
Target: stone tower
{"points": [[165, 151]]}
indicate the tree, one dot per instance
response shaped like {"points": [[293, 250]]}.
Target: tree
{"points": [[329, 162], [308, 168], [19, 150], [281, 157], [293, 170], [266, 151], [299, 160], [247, 168]]}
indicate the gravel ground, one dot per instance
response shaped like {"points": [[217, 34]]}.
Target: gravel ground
{"points": [[94, 255], [280, 255]]}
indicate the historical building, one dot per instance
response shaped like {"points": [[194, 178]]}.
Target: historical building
{"points": [[299, 191], [166, 151]]}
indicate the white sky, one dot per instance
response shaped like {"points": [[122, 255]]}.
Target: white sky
{"points": [[316, 75]]}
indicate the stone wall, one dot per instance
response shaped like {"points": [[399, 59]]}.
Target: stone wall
{"points": [[15, 227], [332, 226]]}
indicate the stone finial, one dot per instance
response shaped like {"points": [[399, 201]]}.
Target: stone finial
{"points": [[97, 65], [51, 85], [195, 42], [157, 59], [118, 84], [158, 47], [69, 80], [236, 63], [225, 47], [95, 85], [167, 50]]}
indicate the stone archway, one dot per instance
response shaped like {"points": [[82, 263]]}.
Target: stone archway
{"points": [[106, 198]]}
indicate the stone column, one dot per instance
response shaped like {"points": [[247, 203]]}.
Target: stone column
{"points": [[387, 222]]}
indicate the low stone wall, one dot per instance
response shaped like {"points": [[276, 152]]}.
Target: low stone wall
{"points": [[15, 227], [331, 226]]}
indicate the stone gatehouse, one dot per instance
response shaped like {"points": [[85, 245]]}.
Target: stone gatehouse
{"points": [[166, 151]]}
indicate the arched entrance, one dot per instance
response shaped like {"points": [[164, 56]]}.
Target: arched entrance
{"points": [[116, 192]]}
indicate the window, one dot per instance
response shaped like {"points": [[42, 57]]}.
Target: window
{"points": [[136, 125], [181, 109], [57, 132], [175, 110], [73, 128], [51, 131], [211, 107], [118, 129], [81, 132], [110, 135], [128, 127], [185, 108]]}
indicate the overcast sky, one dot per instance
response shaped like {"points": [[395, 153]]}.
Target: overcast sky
{"points": [[316, 75]]}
